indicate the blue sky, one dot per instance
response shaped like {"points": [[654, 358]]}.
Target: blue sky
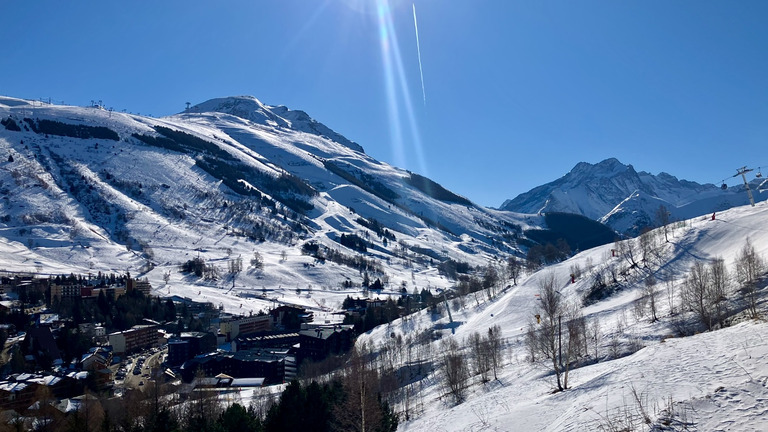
{"points": [[517, 92]]}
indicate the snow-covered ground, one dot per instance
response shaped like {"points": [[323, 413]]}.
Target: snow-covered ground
{"points": [[711, 381]]}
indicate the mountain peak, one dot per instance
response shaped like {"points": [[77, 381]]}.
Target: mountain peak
{"points": [[245, 107], [620, 197], [250, 108], [606, 168]]}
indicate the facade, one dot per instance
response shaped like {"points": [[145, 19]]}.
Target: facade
{"points": [[188, 345], [244, 364], [139, 285], [67, 290], [290, 317], [270, 340], [245, 325], [316, 344], [138, 337]]}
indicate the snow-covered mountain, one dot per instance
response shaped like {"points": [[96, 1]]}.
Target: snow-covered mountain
{"points": [[83, 189], [624, 199]]}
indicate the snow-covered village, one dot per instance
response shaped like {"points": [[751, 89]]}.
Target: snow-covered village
{"points": [[492, 216]]}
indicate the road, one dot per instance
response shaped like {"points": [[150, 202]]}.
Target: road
{"points": [[152, 360]]}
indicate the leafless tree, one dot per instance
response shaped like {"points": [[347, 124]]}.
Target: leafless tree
{"points": [[749, 267], [361, 410], [595, 336], [496, 347], [479, 350], [514, 268], [548, 335], [575, 342], [719, 289], [695, 292], [652, 295], [646, 243], [663, 218], [454, 367], [627, 250]]}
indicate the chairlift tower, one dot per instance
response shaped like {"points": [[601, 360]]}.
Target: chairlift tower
{"points": [[743, 171]]}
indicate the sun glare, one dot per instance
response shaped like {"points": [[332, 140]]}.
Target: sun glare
{"points": [[395, 79]]}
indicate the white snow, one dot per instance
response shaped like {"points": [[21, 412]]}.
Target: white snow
{"points": [[714, 380]]}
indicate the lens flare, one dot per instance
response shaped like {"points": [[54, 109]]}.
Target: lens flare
{"points": [[395, 79]]}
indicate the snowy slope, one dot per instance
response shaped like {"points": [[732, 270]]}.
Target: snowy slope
{"points": [[139, 204], [713, 380], [624, 199]]}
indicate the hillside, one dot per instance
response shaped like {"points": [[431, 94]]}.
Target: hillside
{"points": [[684, 377], [87, 190]]}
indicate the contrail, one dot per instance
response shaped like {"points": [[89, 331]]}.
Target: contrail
{"points": [[418, 51]]}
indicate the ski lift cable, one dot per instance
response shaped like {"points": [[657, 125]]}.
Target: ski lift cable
{"points": [[758, 175]]}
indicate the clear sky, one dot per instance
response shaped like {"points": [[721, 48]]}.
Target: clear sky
{"points": [[515, 92]]}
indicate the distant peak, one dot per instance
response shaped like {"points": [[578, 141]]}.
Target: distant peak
{"points": [[245, 107], [606, 168], [250, 108]]}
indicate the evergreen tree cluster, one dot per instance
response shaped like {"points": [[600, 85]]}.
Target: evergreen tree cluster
{"points": [[375, 226], [52, 127], [435, 190], [10, 124], [329, 407], [353, 241], [357, 262]]}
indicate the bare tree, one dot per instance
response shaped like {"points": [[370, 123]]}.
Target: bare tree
{"points": [[669, 287], [361, 410], [496, 348], [514, 268], [548, 337], [490, 280], [719, 290], [652, 295], [455, 370], [749, 267], [576, 341], [480, 355], [646, 242], [695, 291], [663, 218], [627, 250], [595, 336]]}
